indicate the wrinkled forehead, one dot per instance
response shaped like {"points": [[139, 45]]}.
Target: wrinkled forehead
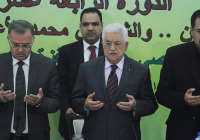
{"points": [[113, 36]]}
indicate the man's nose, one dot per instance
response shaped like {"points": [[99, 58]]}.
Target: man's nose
{"points": [[90, 27], [20, 49], [112, 47]]}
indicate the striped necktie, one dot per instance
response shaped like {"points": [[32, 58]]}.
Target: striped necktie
{"points": [[112, 83]]}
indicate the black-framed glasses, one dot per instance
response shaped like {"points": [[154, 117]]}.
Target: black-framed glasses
{"points": [[116, 44], [25, 46]]}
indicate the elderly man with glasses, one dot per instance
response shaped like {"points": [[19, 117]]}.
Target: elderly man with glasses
{"points": [[114, 91]]}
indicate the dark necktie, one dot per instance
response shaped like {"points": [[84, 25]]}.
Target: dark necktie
{"points": [[92, 50], [20, 105], [112, 83]]}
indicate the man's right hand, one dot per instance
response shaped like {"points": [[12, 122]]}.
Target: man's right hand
{"points": [[191, 100], [93, 105], [6, 96], [70, 110]]}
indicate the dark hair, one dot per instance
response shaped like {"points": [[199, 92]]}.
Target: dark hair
{"points": [[195, 15], [91, 10], [20, 27]]}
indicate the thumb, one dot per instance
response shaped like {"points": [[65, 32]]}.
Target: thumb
{"points": [[91, 96], [130, 97], [189, 91], [2, 86], [40, 92]]}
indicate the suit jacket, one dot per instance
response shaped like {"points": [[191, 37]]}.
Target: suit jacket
{"points": [[110, 122], [42, 74], [180, 72], [70, 58]]}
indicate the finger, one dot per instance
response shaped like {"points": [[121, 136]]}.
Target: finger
{"points": [[124, 107], [3, 100], [121, 106], [5, 95], [28, 99], [70, 110], [91, 96], [97, 107], [2, 86], [194, 103], [189, 91], [126, 103], [129, 96], [94, 102], [10, 96], [40, 94], [35, 99], [75, 113], [193, 97]]}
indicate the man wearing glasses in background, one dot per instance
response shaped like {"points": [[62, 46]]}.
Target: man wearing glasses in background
{"points": [[114, 91], [29, 87], [179, 86]]}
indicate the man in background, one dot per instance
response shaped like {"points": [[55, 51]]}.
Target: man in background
{"points": [[179, 86], [114, 91], [29, 87], [72, 55]]}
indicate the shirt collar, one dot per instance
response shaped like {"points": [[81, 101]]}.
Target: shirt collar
{"points": [[86, 45], [120, 64], [26, 61]]}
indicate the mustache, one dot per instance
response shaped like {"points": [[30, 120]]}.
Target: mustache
{"points": [[20, 53], [111, 52], [90, 32]]}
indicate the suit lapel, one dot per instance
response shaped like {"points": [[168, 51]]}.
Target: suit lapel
{"points": [[9, 71], [192, 62], [80, 53], [33, 72], [100, 49], [99, 70]]}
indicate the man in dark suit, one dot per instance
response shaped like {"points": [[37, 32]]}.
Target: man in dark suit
{"points": [[29, 87], [72, 55], [179, 86], [114, 91]]}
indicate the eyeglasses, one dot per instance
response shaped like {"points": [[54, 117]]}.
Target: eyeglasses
{"points": [[116, 44], [25, 46], [197, 30]]}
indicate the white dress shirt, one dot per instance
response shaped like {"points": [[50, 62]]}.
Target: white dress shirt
{"points": [[118, 71], [87, 51]]}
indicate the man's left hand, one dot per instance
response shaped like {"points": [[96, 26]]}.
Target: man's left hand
{"points": [[127, 106], [34, 100]]}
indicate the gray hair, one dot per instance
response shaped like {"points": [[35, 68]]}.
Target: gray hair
{"points": [[116, 28], [20, 27]]}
